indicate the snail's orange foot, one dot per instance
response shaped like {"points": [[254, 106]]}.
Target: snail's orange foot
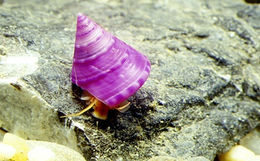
{"points": [[100, 110]]}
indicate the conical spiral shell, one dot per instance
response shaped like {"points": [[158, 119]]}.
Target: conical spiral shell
{"points": [[105, 66]]}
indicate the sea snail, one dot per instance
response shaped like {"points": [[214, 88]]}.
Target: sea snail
{"points": [[107, 69]]}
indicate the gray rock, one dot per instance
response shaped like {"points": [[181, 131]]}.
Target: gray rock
{"points": [[201, 98]]}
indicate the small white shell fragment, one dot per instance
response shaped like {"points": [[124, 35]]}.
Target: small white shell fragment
{"points": [[19, 144], [41, 153], [238, 153], [252, 141], [14, 148], [6, 151], [62, 153], [257, 158]]}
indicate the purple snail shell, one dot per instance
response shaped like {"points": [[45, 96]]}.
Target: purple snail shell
{"points": [[104, 66]]}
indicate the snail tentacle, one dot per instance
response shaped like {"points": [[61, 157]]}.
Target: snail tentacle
{"points": [[83, 111], [123, 107]]}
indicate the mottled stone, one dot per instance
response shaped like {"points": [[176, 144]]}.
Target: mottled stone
{"points": [[201, 98]]}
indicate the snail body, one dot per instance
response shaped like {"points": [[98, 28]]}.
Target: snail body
{"points": [[108, 69]]}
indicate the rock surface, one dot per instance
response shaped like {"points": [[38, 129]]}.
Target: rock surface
{"points": [[201, 98]]}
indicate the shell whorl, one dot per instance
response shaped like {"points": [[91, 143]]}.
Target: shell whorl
{"points": [[105, 66]]}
